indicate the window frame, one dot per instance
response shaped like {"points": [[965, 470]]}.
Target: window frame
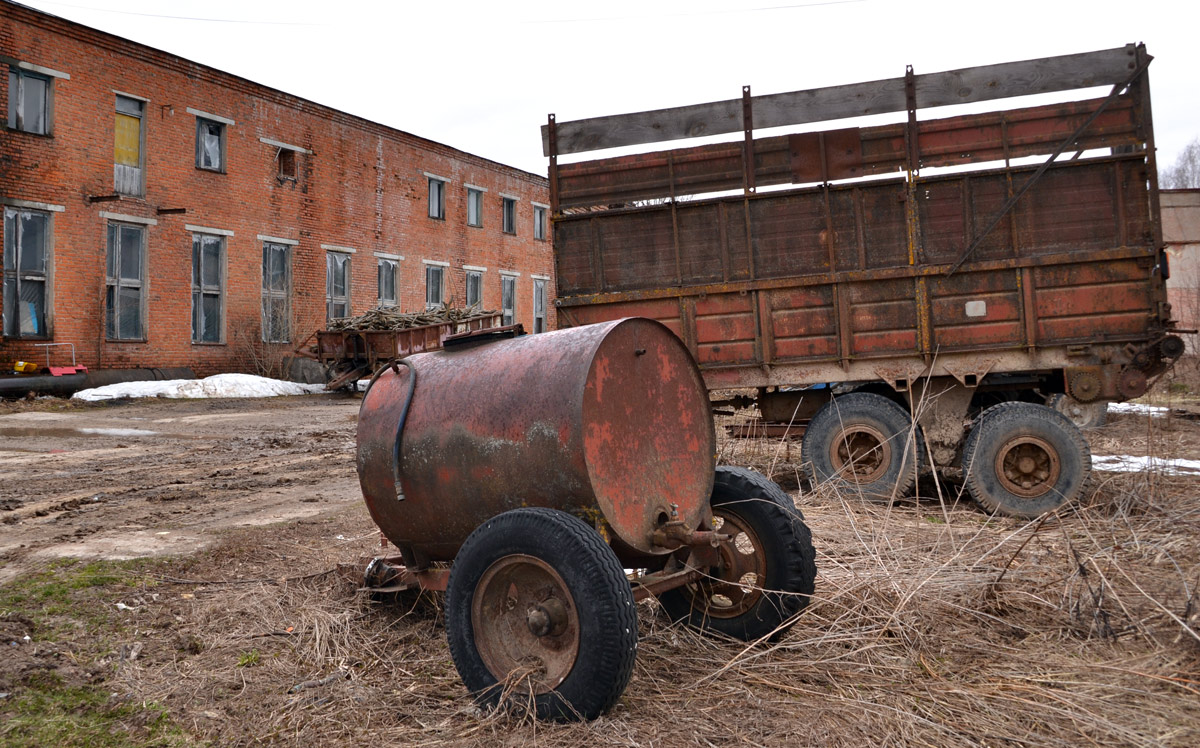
{"points": [[17, 75], [508, 215], [437, 208], [541, 224], [201, 289], [45, 276], [509, 313], [475, 204], [274, 294], [114, 283], [381, 272], [475, 274], [330, 297], [432, 269], [539, 295], [201, 121], [140, 189]]}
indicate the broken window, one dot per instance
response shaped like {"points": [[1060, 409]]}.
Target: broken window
{"points": [[474, 287], [539, 222], [124, 282], [29, 101], [276, 293], [26, 243], [208, 281], [127, 147], [434, 277], [337, 285], [474, 207], [210, 145], [387, 282], [539, 305], [437, 198], [287, 164], [508, 298], [510, 215]]}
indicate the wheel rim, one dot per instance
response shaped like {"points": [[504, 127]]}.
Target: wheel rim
{"points": [[861, 454], [735, 586], [1028, 466], [525, 622]]}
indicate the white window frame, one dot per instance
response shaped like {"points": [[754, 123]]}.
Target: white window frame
{"points": [[330, 297], [540, 285], [508, 214], [139, 188], [472, 271], [437, 196], [475, 205], [541, 221], [18, 73], [201, 122], [269, 294], [435, 268], [508, 314], [383, 266]]}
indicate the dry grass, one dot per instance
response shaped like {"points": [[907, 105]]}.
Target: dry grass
{"points": [[933, 624]]}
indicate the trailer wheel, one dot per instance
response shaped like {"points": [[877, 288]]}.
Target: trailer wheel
{"points": [[540, 615], [766, 580], [865, 444], [1084, 415], [1023, 460]]}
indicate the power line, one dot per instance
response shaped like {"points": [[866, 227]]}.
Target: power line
{"points": [[682, 14], [177, 18]]}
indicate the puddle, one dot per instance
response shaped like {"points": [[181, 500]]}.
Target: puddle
{"points": [[59, 432]]}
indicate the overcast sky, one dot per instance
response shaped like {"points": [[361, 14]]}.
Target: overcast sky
{"points": [[482, 76]]}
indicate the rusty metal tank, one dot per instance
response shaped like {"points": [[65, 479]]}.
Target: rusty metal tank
{"points": [[608, 422]]}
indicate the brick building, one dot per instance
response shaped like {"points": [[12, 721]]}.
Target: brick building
{"points": [[162, 213], [1181, 232]]}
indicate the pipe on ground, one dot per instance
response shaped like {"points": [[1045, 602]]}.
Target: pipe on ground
{"points": [[69, 384]]}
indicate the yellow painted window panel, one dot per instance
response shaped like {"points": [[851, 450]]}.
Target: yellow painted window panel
{"points": [[127, 150]]}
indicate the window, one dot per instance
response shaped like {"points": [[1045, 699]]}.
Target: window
{"points": [[26, 243], [210, 144], [125, 280], [387, 282], [286, 163], [276, 293], [437, 198], [508, 298], [208, 282], [127, 147], [434, 277], [539, 305], [539, 222], [474, 287], [337, 285], [29, 101], [510, 215], [474, 207]]}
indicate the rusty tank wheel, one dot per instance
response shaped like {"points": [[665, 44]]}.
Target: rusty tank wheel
{"points": [[765, 575], [540, 615], [865, 444], [1023, 460]]}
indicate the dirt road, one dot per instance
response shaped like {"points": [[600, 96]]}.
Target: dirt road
{"points": [[165, 476]]}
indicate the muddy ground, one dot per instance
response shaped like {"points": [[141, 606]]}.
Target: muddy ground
{"points": [[175, 573]]}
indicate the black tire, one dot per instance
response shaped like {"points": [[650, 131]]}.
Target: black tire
{"points": [[780, 547], [1023, 460], [1084, 415], [865, 444], [592, 652]]}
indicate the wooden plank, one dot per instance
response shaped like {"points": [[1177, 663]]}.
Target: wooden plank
{"points": [[986, 83]]}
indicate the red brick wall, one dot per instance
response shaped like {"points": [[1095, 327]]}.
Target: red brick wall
{"points": [[363, 186]]}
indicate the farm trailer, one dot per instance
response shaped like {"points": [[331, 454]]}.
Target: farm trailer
{"points": [[949, 303]]}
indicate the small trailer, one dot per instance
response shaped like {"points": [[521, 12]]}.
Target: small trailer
{"points": [[545, 466]]}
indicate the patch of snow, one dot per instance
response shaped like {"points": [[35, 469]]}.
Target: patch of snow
{"points": [[118, 432], [1136, 464], [218, 385], [1151, 410]]}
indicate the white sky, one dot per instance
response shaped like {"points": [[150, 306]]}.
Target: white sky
{"points": [[482, 76]]}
